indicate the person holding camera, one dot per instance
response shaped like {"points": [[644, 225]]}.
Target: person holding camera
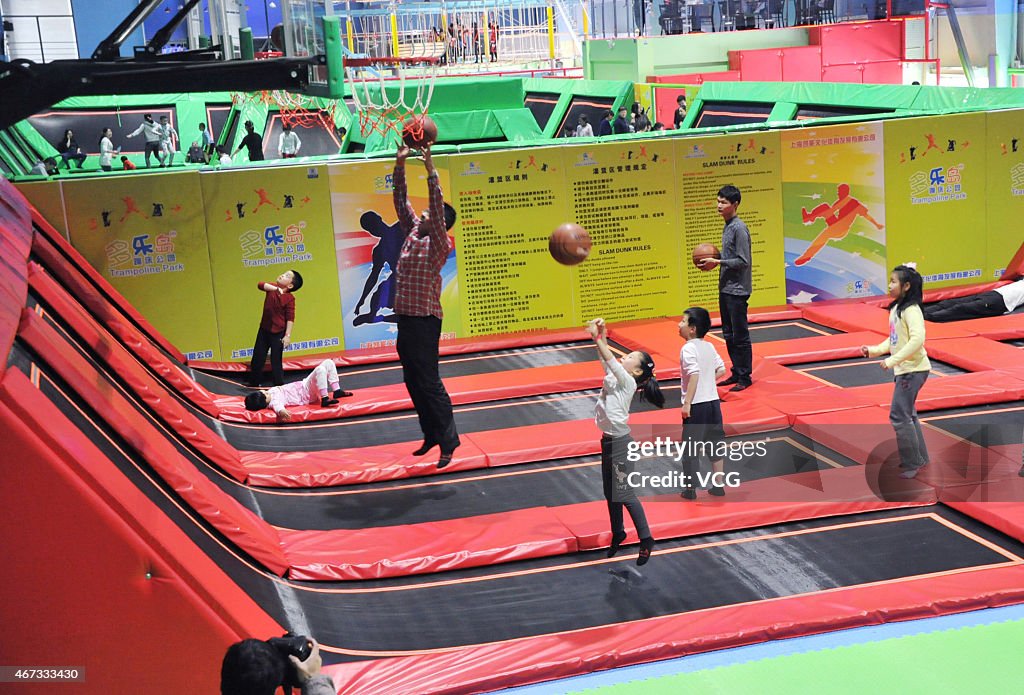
{"points": [[255, 667]]}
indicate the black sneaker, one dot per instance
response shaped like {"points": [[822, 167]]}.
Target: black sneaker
{"points": [[688, 493], [717, 491], [729, 382]]}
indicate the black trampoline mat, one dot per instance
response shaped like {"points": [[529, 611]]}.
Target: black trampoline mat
{"points": [[771, 331], [995, 424], [857, 371], [1015, 343], [503, 489], [384, 373]]}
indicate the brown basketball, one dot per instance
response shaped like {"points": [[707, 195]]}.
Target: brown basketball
{"points": [[569, 244], [419, 131], [702, 251]]}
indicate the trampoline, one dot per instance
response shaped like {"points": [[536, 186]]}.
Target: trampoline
{"points": [[494, 572]]}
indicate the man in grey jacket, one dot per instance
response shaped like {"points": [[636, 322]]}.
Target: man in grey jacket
{"points": [[734, 288]]}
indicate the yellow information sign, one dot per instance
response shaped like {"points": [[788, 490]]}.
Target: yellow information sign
{"points": [[935, 196], [45, 196], [147, 236], [623, 194], [1005, 189], [261, 223], [509, 202], [751, 162]]}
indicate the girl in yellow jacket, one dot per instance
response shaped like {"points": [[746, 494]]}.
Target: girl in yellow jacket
{"points": [[908, 361]]}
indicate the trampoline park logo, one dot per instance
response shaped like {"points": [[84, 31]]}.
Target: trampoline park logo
{"points": [[585, 160], [1017, 179], [273, 245], [143, 254], [938, 185], [472, 169]]}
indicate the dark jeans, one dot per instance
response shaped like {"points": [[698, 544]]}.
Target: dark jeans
{"points": [[418, 337], [79, 157], [736, 333], [614, 470], [975, 306], [267, 341], [903, 416]]}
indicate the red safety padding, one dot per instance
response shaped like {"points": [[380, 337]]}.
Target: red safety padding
{"points": [[739, 417], [240, 525], [354, 466], [15, 210], [975, 354], [776, 500], [651, 335], [553, 440], [15, 242], [865, 436], [995, 504], [94, 565], [193, 431], [83, 324], [954, 391], [860, 317], [65, 262], [494, 666], [475, 388], [437, 546], [1005, 327], [819, 348], [458, 346]]}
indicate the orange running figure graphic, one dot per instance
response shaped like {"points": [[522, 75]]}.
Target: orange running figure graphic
{"points": [[839, 217]]}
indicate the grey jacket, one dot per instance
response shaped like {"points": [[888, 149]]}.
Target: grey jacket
{"points": [[734, 272]]}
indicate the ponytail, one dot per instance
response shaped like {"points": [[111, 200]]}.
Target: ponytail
{"points": [[647, 384]]}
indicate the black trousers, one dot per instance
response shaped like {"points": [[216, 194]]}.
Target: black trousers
{"points": [[975, 306], [615, 469], [418, 338], [267, 341], [736, 333]]}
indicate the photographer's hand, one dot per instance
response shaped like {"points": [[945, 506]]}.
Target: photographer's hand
{"points": [[311, 666]]}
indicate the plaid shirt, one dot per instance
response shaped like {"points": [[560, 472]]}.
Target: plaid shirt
{"points": [[424, 252]]}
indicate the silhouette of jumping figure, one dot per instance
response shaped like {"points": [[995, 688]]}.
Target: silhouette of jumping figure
{"points": [[839, 217], [386, 251]]}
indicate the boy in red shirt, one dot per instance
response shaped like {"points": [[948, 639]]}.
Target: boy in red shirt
{"points": [[275, 330]]}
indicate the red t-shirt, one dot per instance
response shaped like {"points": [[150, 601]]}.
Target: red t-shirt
{"points": [[278, 310]]}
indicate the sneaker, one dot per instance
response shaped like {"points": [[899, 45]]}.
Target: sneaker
{"points": [[688, 493], [729, 382], [740, 387], [717, 491], [910, 473]]}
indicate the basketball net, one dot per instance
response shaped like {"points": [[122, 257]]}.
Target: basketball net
{"points": [[380, 111], [297, 110]]}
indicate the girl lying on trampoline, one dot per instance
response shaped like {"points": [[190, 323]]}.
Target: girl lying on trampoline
{"points": [[305, 392]]}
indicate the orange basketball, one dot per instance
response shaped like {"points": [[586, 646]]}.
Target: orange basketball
{"points": [[419, 131], [569, 244], [702, 251]]}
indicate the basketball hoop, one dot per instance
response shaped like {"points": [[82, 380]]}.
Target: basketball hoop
{"points": [[297, 110], [381, 100]]}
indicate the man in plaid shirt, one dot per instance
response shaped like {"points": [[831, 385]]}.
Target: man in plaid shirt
{"points": [[418, 306]]}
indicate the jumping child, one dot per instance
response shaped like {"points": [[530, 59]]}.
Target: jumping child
{"points": [[304, 392], [909, 362], [700, 366], [275, 332], [623, 378]]}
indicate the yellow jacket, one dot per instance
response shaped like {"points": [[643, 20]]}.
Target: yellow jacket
{"points": [[905, 343]]}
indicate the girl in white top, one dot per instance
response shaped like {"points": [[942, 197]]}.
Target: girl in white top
{"points": [[107, 149], [288, 144], [623, 378], [584, 129], [700, 366]]}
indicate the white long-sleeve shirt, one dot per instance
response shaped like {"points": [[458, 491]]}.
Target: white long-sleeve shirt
{"points": [[152, 131], [106, 152], [288, 143], [612, 410]]}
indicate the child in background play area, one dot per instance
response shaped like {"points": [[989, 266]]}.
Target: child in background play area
{"points": [[321, 382], [909, 362], [623, 378], [700, 366], [275, 332]]}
